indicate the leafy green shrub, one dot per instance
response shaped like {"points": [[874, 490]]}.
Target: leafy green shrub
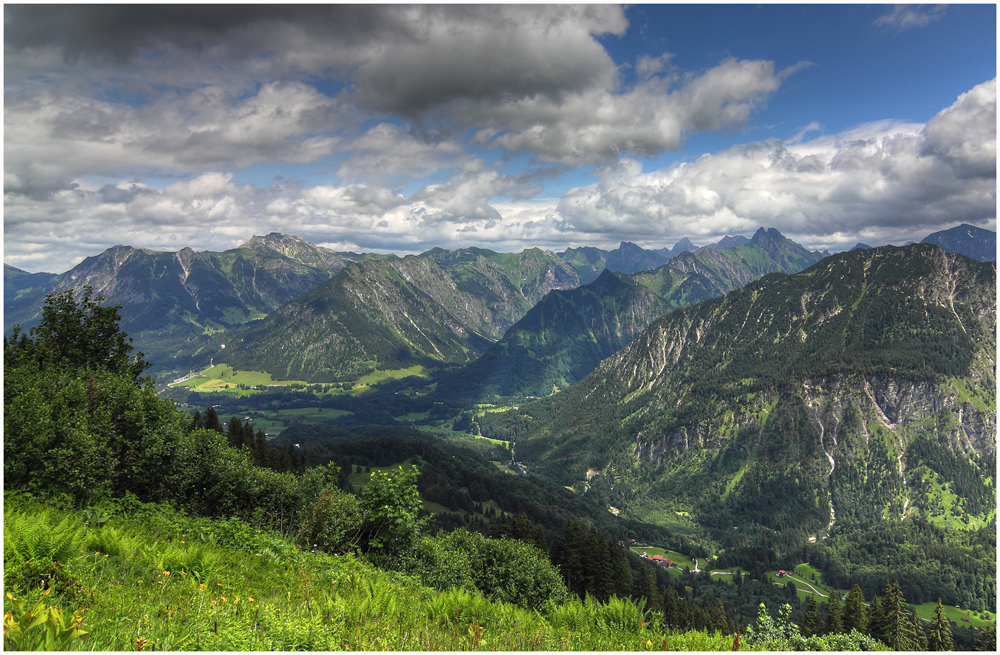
{"points": [[333, 523], [513, 571], [391, 506], [506, 570], [782, 634], [446, 560]]}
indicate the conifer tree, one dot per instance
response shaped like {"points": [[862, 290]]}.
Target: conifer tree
{"points": [[621, 572], [598, 565], [876, 619], [939, 637], [234, 432], [920, 638], [644, 586], [897, 629], [834, 615], [855, 615], [211, 420], [810, 621], [719, 620], [671, 613], [987, 639]]}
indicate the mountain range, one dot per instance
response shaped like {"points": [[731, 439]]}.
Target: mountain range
{"points": [[565, 335], [307, 312], [854, 391]]}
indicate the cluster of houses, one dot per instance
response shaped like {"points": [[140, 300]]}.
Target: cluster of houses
{"points": [[659, 560], [662, 561]]}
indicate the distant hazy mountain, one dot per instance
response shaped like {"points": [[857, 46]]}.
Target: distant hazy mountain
{"points": [[441, 307], [589, 262], [169, 298], [22, 289], [842, 395], [630, 258], [861, 246], [968, 240], [569, 332], [682, 246], [727, 242]]}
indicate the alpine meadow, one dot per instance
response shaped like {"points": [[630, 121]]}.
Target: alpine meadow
{"points": [[500, 327]]}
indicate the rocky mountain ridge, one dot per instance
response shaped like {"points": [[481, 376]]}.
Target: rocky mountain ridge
{"points": [[569, 332], [799, 400]]}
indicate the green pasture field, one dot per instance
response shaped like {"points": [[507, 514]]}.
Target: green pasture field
{"points": [[672, 555], [377, 376], [804, 586], [357, 478], [222, 378], [274, 421], [955, 614], [678, 522], [503, 467]]}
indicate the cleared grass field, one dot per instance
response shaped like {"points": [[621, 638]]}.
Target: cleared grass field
{"points": [[375, 377], [222, 377], [926, 612], [803, 586]]}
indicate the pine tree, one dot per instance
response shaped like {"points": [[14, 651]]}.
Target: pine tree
{"points": [[855, 615], [621, 572], [671, 613], [898, 632], [567, 555], [211, 420], [810, 621], [834, 618], [644, 586], [598, 565], [939, 637], [920, 637], [234, 432], [719, 620], [876, 620]]}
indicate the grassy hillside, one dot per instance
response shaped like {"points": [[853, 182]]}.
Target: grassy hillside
{"points": [[147, 578]]}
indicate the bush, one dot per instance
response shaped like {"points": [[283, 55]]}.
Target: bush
{"points": [[333, 523], [506, 570]]}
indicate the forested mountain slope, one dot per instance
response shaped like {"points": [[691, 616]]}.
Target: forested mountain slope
{"points": [[397, 312], [562, 338], [840, 396]]}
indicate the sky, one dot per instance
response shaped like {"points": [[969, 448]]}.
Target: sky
{"points": [[393, 128]]}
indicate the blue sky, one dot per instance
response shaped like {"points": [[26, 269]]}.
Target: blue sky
{"points": [[397, 129]]}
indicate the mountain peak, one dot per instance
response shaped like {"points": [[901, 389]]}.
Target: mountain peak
{"points": [[275, 241], [968, 240], [728, 243]]}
